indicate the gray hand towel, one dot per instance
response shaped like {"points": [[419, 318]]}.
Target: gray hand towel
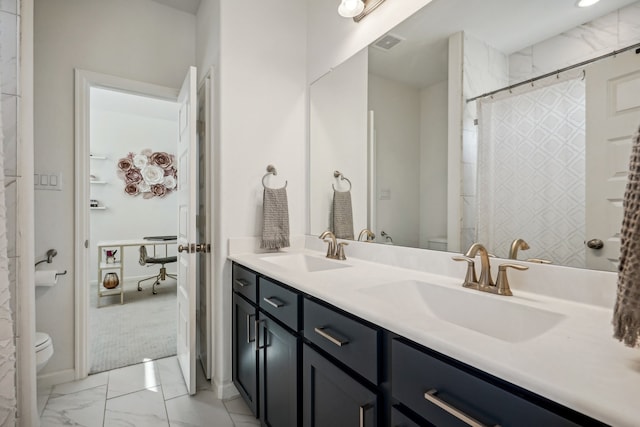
{"points": [[275, 209], [342, 215], [626, 313]]}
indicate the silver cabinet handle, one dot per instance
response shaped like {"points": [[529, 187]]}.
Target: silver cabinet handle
{"points": [[470, 421], [273, 301], [320, 331], [249, 339], [258, 346], [363, 409], [241, 282]]}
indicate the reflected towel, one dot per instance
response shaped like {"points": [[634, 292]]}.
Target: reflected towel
{"points": [[626, 313], [275, 228], [342, 214]]}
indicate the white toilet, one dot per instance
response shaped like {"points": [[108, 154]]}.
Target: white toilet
{"points": [[44, 350]]}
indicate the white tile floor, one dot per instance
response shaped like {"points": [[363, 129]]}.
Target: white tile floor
{"points": [[148, 394]]}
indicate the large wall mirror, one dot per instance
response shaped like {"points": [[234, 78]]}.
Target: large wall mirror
{"points": [[427, 169]]}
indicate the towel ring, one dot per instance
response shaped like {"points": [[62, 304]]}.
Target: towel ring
{"points": [[271, 170], [338, 174]]}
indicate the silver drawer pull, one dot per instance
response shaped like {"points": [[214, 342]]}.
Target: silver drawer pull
{"points": [[249, 339], [336, 341], [470, 421], [274, 302], [363, 409], [241, 282]]}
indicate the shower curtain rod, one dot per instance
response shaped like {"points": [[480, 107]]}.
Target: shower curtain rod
{"points": [[561, 70]]}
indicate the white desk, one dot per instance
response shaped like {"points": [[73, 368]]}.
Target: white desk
{"points": [[119, 245]]}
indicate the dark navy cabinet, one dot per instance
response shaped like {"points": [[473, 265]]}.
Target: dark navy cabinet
{"points": [[245, 361], [333, 398], [266, 348]]}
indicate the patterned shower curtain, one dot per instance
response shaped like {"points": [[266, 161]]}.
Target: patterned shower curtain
{"points": [[7, 343], [531, 172]]}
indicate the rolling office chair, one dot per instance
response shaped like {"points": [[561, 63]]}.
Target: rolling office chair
{"points": [[145, 260]]}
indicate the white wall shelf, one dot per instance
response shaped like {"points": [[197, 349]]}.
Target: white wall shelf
{"points": [[98, 208], [98, 182], [91, 156]]}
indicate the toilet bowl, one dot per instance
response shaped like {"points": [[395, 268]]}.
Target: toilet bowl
{"points": [[44, 350]]}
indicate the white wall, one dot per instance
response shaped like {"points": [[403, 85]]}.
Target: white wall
{"points": [[261, 111], [396, 109], [123, 123], [136, 39], [338, 135], [433, 161]]}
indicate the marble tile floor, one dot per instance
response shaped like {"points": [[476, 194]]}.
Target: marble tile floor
{"points": [[149, 394]]}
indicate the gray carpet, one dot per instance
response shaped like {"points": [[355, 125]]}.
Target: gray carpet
{"points": [[143, 328]]}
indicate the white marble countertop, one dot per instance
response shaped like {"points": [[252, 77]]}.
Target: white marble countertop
{"points": [[576, 363]]}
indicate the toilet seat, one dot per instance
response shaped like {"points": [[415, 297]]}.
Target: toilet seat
{"points": [[42, 341]]}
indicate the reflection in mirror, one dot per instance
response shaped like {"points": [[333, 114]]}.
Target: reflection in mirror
{"points": [[394, 115]]}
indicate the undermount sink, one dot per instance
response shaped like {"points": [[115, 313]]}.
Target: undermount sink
{"points": [[304, 263], [493, 315]]}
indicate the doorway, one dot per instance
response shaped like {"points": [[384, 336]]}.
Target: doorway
{"points": [[133, 204], [88, 85]]}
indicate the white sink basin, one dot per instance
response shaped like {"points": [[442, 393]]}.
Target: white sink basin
{"points": [[494, 315], [304, 263]]}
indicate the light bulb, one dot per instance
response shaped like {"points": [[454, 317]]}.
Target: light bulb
{"points": [[587, 3], [350, 8]]}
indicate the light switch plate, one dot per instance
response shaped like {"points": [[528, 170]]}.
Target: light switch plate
{"points": [[48, 181]]}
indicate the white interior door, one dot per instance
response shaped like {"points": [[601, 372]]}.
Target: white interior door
{"points": [[187, 211], [205, 222], [613, 116]]}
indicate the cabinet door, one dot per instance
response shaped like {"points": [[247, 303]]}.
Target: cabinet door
{"points": [[278, 364], [333, 398], [245, 361]]}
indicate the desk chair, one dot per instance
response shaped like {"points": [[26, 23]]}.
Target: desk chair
{"points": [[145, 260]]}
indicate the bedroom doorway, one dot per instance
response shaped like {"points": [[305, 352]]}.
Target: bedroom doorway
{"points": [[133, 204]]}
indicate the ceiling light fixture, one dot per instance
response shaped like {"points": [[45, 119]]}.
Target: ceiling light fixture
{"points": [[586, 3], [358, 9], [350, 8]]}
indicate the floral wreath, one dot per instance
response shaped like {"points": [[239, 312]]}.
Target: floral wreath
{"points": [[150, 173]]}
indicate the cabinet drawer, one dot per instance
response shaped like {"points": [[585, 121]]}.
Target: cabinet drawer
{"points": [[350, 341], [244, 282], [279, 302], [417, 373]]}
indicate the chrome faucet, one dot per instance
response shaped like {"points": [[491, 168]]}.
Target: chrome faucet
{"points": [[485, 283], [335, 250], [515, 245], [368, 234]]}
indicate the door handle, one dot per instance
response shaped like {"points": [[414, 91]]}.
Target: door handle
{"points": [[192, 248], [595, 244]]}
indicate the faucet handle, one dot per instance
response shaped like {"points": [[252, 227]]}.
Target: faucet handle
{"points": [[502, 282], [470, 280], [340, 251]]}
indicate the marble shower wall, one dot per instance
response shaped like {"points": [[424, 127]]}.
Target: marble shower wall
{"points": [[10, 99], [614, 31]]}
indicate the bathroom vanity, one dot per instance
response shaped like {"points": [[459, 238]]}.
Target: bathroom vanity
{"points": [[322, 342]]}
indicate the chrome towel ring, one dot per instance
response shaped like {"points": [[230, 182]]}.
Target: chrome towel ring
{"points": [[338, 174], [271, 170]]}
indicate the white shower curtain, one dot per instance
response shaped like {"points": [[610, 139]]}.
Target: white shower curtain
{"points": [[531, 172], [7, 344]]}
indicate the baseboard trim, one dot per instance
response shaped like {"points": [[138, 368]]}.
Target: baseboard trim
{"points": [[55, 378], [225, 391]]}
